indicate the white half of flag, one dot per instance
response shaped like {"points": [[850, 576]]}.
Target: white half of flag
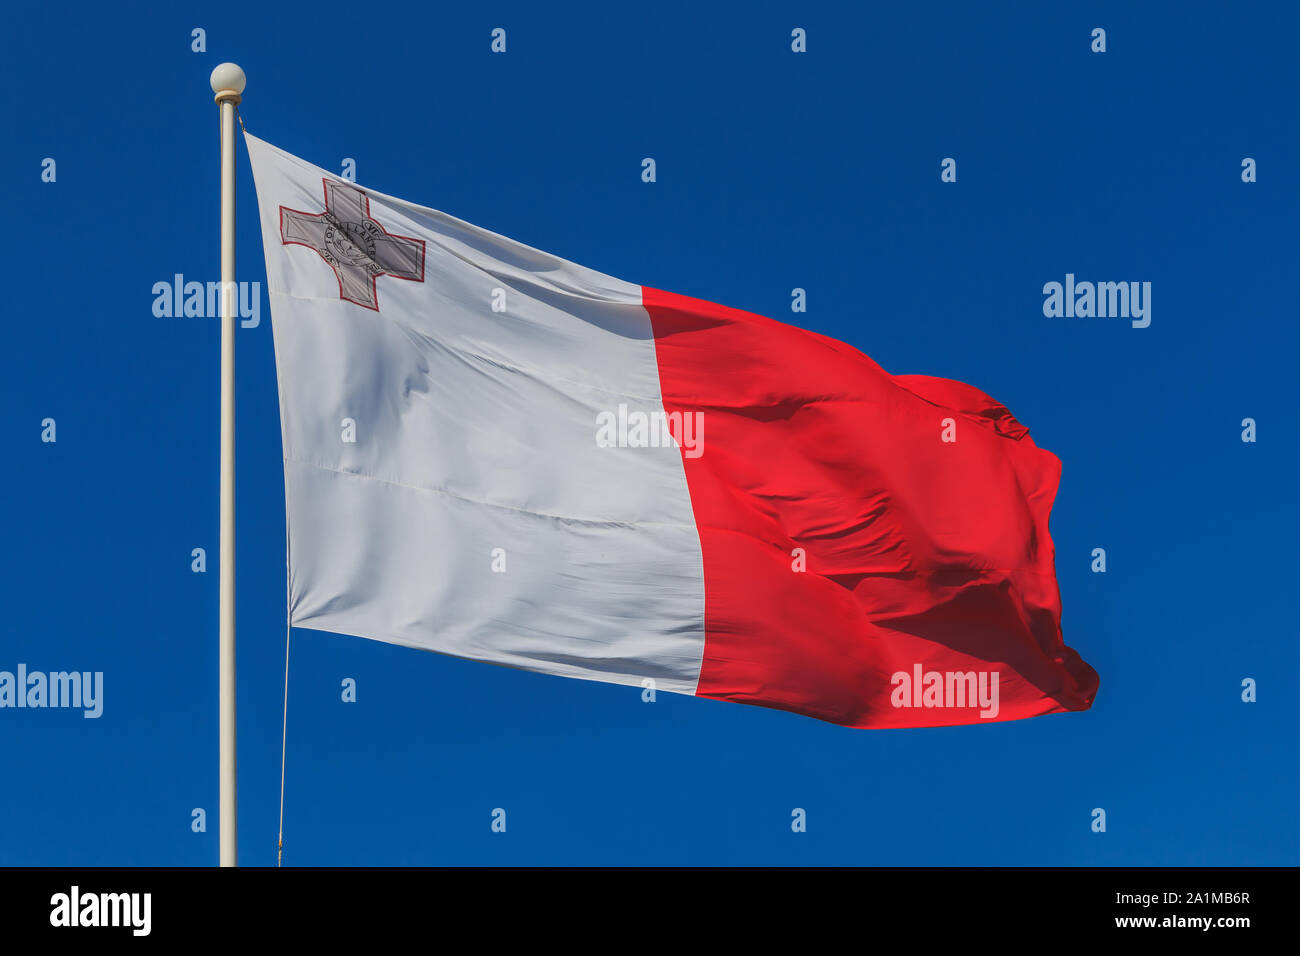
{"points": [[474, 431]]}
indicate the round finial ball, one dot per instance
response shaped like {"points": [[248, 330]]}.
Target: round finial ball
{"points": [[227, 76]]}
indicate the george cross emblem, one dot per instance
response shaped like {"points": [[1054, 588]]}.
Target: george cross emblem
{"points": [[358, 249]]}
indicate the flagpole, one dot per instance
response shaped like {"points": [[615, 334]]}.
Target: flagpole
{"points": [[227, 83]]}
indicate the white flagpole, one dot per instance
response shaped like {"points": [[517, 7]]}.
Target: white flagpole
{"points": [[227, 83]]}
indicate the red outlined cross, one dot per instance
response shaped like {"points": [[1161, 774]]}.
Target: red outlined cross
{"points": [[358, 248]]}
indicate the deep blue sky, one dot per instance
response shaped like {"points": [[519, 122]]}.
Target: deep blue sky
{"points": [[775, 170]]}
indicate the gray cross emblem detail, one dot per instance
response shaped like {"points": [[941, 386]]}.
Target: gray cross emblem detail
{"points": [[358, 249]]}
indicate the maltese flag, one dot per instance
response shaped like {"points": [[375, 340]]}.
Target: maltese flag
{"points": [[494, 453]]}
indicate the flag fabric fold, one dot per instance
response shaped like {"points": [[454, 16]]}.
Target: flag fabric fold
{"points": [[493, 453]]}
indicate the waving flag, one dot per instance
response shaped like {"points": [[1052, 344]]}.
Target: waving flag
{"points": [[493, 453]]}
